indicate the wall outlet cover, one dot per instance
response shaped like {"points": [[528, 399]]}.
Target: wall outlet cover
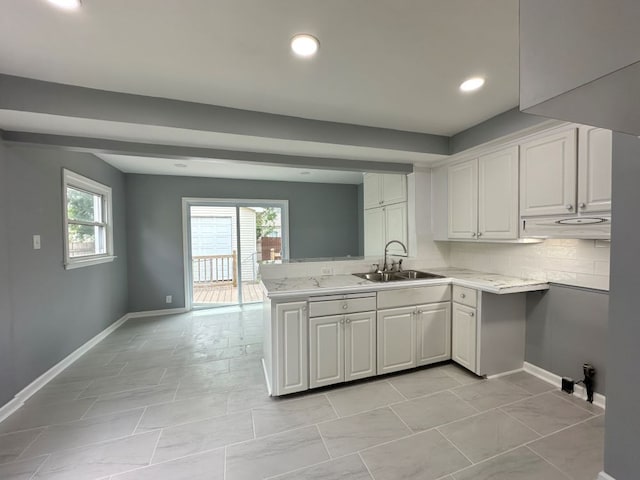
{"points": [[169, 299]]}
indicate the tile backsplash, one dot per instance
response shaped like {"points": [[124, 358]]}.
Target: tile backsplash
{"points": [[583, 263]]}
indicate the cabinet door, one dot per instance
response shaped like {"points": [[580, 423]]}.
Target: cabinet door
{"points": [[292, 355], [594, 169], [372, 190], [360, 346], [548, 175], [395, 227], [433, 333], [463, 200], [326, 350], [463, 336], [396, 339], [374, 231], [394, 188], [498, 195]]}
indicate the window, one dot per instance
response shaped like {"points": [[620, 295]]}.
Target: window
{"points": [[88, 230]]}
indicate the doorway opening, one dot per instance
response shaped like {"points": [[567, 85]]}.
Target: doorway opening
{"points": [[225, 243]]}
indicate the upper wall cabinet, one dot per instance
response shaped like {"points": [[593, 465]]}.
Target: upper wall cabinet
{"points": [[384, 189], [483, 197], [566, 173]]}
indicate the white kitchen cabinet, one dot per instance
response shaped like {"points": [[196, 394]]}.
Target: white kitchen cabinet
{"points": [[594, 169], [396, 339], [463, 200], [382, 225], [291, 349], [483, 197], [341, 348], [433, 333], [463, 335], [548, 171], [384, 189]]}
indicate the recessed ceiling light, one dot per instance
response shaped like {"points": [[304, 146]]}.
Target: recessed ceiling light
{"points": [[66, 4], [180, 165], [472, 84], [304, 45]]}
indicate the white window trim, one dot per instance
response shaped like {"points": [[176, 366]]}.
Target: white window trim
{"points": [[75, 180]]}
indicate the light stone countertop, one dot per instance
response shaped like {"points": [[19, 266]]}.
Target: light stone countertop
{"points": [[277, 288]]}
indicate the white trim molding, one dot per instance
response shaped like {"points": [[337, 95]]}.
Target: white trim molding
{"points": [[604, 476], [27, 392], [579, 391]]}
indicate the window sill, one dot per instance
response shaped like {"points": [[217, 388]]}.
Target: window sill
{"points": [[88, 262]]}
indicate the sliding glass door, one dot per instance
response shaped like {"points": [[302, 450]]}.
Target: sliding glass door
{"points": [[225, 243]]}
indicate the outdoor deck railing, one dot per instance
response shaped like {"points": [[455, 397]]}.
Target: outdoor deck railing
{"points": [[215, 269]]}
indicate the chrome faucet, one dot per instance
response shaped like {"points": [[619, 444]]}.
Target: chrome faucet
{"points": [[386, 253]]}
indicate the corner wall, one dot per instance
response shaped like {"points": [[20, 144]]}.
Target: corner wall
{"points": [[47, 312]]}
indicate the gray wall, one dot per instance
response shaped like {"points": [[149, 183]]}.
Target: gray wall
{"points": [[323, 222], [623, 422], [52, 311], [566, 327]]}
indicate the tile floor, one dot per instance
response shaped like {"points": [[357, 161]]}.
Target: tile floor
{"points": [[183, 397]]}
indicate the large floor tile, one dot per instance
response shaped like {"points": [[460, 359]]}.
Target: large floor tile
{"points": [[527, 381], [363, 397], [462, 375], [490, 394], [80, 374], [427, 412], [84, 432], [487, 434], [33, 415], [13, 444], [350, 467], [183, 411], [21, 470], [423, 382], [198, 371], [225, 382], [283, 416], [100, 460], [546, 413], [204, 466], [578, 451], [578, 402], [140, 397], [275, 454], [425, 456], [203, 435], [58, 393], [123, 383], [520, 464], [250, 397], [351, 434]]}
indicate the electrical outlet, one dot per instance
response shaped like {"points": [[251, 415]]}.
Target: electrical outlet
{"points": [[169, 299], [36, 242]]}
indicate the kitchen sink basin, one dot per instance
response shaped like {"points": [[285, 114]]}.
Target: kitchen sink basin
{"points": [[397, 276]]}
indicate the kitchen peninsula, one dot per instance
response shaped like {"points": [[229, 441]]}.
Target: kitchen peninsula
{"points": [[324, 330]]}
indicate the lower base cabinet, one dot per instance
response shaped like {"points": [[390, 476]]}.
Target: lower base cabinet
{"points": [[433, 333], [341, 348], [463, 336]]}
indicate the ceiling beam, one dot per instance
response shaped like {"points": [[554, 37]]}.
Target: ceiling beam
{"points": [[30, 95], [98, 145]]}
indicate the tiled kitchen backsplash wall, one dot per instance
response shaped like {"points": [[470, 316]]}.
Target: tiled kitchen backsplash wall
{"points": [[583, 263]]}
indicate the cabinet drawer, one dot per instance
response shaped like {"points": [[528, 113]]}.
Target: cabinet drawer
{"points": [[337, 307], [465, 296], [413, 296]]}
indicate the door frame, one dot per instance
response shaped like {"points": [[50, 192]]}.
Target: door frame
{"points": [[188, 202]]}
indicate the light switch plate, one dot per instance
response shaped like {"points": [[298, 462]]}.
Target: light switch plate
{"points": [[36, 242]]}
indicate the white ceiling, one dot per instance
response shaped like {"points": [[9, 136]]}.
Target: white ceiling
{"points": [[226, 169], [385, 63]]}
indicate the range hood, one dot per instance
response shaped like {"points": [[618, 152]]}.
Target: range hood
{"points": [[587, 227]]}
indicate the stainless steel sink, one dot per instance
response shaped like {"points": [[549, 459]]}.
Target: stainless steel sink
{"points": [[398, 276]]}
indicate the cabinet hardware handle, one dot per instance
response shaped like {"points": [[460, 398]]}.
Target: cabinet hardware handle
{"points": [[342, 321], [348, 320], [569, 207], [462, 295], [479, 234], [583, 205], [345, 306], [473, 234], [471, 314], [304, 309]]}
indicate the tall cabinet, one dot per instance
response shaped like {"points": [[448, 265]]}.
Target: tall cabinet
{"points": [[385, 214]]}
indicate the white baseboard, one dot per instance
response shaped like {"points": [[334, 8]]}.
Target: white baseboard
{"points": [[604, 476], [504, 374], [579, 391], [27, 392], [156, 313]]}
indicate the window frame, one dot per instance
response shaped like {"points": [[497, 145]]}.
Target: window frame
{"points": [[79, 182]]}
